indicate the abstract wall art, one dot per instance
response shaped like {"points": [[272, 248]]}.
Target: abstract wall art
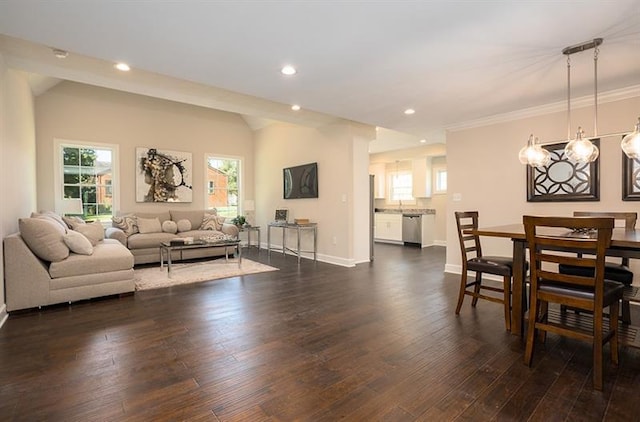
{"points": [[163, 175]]}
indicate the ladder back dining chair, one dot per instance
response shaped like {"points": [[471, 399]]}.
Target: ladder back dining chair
{"points": [[589, 237], [616, 271], [474, 261]]}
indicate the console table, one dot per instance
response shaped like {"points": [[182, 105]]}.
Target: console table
{"points": [[298, 228]]}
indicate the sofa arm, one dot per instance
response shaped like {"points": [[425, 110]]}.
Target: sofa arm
{"points": [[230, 229], [115, 233], [27, 280]]}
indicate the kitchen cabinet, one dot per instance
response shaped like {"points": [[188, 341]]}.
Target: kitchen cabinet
{"points": [[378, 171], [421, 168], [388, 227]]}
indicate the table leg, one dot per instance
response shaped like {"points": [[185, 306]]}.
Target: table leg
{"points": [[239, 256], [519, 276], [269, 242], [284, 241], [315, 243], [169, 262], [258, 230]]}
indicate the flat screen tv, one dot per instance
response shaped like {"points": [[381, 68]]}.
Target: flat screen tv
{"points": [[300, 181]]}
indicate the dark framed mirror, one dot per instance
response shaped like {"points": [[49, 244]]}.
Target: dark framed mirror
{"points": [[564, 179], [630, 178]]}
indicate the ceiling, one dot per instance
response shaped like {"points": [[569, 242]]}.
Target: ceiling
{"points": [[454, 62]]}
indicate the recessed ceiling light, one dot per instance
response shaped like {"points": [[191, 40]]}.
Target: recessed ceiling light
{"points": [[423, 141], [295, 107], [61, 54], [123, 67], [288, 70], [409, 111]]}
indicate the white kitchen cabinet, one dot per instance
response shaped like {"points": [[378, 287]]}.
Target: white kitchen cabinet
{"points": [[378, 170], [388, 227], [421, 169], [428, 230]]}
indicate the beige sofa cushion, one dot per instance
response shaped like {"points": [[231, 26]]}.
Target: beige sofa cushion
{"points": [[92, 231], [149, 225], [44, 237], [162, 216], [183, 225], [148, 240], [77, 243], [126, 223], [51, 215], [211, 222], [194, 217], [170, 227], [108, 256]]}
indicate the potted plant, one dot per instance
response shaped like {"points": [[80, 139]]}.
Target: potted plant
{"points": [[239, 221]]}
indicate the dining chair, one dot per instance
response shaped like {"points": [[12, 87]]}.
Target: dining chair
{"points": [[549, 239], [615, 271], [474, 261]]}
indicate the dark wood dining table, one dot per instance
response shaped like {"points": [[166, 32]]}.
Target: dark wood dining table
{"points": [[624, 243]]}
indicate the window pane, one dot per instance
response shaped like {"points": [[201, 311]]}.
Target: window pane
{"points": [[222, 185], [71, 156], [88, 174], [71, 192]]}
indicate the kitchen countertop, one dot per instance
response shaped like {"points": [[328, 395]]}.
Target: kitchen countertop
{"points": [[406, 210]]}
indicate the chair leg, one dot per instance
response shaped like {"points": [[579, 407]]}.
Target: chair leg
{"points": [[626, 312], [614, 325], [507, 302], [531, 330], [597, 347], [476, 289], [463, 288]]}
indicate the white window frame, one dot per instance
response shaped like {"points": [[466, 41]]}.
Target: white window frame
{"points": [[205, 182], [437, 189], [58, 173], [405, 200]]}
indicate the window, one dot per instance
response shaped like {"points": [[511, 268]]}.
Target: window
{"points": [[223, 184], [87, 174], [400, 186], [441, 181]]}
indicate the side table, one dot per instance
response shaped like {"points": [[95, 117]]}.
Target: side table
{"points": [[249, 230]]}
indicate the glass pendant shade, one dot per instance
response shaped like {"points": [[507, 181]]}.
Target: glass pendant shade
{"points": [[533, 154], [631, 143], [581, 150]]}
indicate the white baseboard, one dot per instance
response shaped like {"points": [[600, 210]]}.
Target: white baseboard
{"points": [[3, 314], [440, 242], [329, 259]]}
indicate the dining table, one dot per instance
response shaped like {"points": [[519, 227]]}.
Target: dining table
{"points": [[624, 243]]}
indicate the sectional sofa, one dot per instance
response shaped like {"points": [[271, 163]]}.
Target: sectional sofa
{"points": [[142, 233]]}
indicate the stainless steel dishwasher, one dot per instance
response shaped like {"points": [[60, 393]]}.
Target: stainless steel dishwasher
{"points": [[412, 229]]}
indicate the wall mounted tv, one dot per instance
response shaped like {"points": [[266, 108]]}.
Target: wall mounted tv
{"points": [[300, 181]]}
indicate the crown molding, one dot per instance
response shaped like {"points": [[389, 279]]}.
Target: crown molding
{"points": [[604, 97]]}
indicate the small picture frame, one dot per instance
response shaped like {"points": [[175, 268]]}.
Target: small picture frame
{"points": [[282, 215]]}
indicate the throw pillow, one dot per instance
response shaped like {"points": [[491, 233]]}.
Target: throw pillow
{"points": [[170, 227], [126, 223], [73, 222], [92, 231], [77, 243], [52, 216], [149, 225], [211, 222], [184, 225], [44, 238]]}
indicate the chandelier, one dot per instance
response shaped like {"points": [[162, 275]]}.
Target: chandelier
{"points": [[580, 149]]}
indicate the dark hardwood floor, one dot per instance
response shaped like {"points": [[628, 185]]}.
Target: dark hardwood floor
{"points": [[316, 343]]}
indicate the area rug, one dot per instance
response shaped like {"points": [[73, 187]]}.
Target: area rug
{"points": [[193, 272]]}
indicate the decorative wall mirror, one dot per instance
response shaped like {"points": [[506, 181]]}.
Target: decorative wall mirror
{"points": [[564, 179], [630, 178]]}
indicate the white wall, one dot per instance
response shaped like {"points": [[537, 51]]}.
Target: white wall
{"points": [[17, 156], [78, 112], [483, 168], [335, 148]]}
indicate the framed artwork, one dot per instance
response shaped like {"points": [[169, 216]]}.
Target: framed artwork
{"points": [[282, 215], [630, 178], [564, 179], [163, 175]]}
